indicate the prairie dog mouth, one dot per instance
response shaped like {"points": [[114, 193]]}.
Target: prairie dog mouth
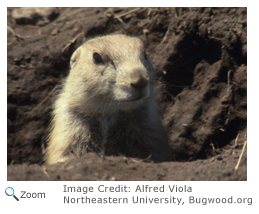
{"points": [[132, 102], [135, 96]]}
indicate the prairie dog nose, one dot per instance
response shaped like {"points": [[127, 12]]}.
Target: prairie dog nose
{"points": [[139, 78]]}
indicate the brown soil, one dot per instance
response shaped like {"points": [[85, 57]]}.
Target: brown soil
{"points": [[200, 55]]}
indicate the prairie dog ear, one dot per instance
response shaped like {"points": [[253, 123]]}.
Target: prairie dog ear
{"points": [[75, 57]]}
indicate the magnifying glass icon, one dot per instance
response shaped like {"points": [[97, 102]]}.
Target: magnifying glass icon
{"points": [[10, 192]]}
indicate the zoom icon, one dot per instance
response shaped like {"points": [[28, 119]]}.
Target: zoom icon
{"points": [[9, 191]]}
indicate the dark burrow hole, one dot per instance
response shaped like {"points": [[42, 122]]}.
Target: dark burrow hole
{"points": [[189, 51]]}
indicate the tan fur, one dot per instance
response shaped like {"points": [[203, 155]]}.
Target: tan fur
{"points": [[108, 106]]}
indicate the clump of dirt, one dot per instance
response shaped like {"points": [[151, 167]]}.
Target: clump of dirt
{"points": [[200, 55]]}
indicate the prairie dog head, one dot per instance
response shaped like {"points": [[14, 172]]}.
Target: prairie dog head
{"points": [[109, 73]]}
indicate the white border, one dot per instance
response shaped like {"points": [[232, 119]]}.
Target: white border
{"points": [[53, 190]]}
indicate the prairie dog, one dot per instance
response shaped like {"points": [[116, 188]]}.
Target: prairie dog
{"points": [[108, 104]]}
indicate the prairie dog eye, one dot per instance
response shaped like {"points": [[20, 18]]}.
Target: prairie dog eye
{"points": [[97, 58]]}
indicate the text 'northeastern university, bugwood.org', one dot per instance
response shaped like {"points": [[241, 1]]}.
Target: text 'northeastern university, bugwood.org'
{"points": [[185, 192]]}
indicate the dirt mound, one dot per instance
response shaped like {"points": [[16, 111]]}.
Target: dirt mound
{"points": [[200, 55]]}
